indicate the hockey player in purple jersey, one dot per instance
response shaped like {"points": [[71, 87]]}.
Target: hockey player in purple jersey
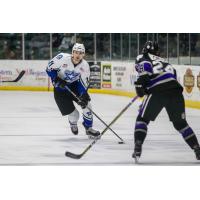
{"points": [[157, 82]]}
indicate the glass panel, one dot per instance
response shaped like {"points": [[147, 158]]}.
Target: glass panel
{"points": [[37, 46], [195, 48], [184, 48], [134, 46], [162, 42], [116, 46], [152, 36], [10, 46], [142, 41], [62, 42], [125, 46], [173, 59], [103, 46], [88, 40]]}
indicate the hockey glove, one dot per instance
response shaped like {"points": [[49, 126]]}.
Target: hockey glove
{"points": [[139, 89], [83, 100]]}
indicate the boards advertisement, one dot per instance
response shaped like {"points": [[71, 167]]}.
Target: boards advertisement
{"points": [[106, 75], [95, 75]]}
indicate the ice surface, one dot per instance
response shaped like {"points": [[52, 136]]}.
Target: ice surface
{"points": [[33, 132]]}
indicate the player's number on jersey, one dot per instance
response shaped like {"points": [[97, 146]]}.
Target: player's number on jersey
{"points": [[159, 68], [50, 63]]}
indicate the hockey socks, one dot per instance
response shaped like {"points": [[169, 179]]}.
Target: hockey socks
{"points": [[88, 122], [140, 131], [189, 137], [73, 119], [139, 136]]}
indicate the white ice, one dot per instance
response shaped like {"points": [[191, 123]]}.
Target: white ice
{"points": [[33, 132]]}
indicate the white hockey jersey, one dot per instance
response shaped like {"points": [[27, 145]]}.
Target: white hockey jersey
{"points": [[62, 66]]}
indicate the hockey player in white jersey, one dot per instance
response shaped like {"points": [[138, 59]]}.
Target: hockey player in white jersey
{"points": [[74, 72]]}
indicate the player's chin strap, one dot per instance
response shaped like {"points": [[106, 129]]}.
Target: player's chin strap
{"points": [[78, 156], [94, 113]]}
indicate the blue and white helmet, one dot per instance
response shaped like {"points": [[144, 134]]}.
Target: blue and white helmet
{"points": [[78, 47]]}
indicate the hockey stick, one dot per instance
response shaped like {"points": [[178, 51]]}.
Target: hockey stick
{"points": [[17, 79], [122, 141], [78, 156]]}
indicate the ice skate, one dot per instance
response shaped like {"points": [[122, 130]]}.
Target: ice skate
{"points": [[137, 151], [74, 128], [92, 133], [197, 152]]}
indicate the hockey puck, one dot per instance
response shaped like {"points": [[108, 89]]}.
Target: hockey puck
{"points": [[120, 142]]}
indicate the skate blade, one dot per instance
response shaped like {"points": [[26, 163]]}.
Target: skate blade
{"points": [[136, 158]]}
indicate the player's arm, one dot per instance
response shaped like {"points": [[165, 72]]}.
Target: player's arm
{"points": [[172, 70], [82, 87], [144, 70], [52, 71], [83, 82], [53, 68]]}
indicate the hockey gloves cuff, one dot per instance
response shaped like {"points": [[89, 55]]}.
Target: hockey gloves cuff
{"points": [[84, 99], [139, 89], [58, 82]]}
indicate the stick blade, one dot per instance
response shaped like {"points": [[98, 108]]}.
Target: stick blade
{"points": [[20, 75], [72, 155], [18, 78]]}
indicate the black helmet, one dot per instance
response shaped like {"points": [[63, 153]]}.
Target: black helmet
{"points": [[151, 47]]}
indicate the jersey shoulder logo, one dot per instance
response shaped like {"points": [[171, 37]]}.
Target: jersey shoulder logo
{"points": [[59, 56], [139, 68]]}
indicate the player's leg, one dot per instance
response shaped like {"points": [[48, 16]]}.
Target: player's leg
{"points": [[88, 119], [176, 112], [148, 111], [88, 123], [67, 108], [139, 135], [188, 135], [73, 120]]}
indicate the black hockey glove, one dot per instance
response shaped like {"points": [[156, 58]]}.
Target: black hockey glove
{"points": [[139, 89], [84, 99]]}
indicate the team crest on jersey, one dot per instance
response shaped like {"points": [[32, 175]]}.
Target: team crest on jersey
{"points": [[188, 80], [139, 68], [59, 56]]}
